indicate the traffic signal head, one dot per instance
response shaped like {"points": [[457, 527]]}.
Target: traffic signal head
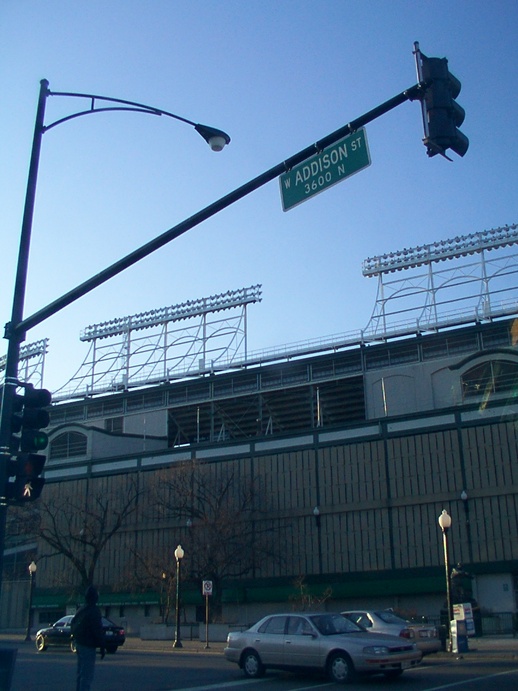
{"points": [[442, 115], [28, 419], [27, 484]]}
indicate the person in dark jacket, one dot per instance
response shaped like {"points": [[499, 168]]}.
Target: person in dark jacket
{"points": [[88, 633]]}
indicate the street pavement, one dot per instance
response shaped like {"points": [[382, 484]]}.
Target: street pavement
{"points": [[503, 646], [493, 646]]}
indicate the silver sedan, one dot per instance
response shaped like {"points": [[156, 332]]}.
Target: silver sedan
{"points": [[426, 636], [322, 641]]}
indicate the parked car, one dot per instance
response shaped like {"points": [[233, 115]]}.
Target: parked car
{"points": [[59, 634], [322, 641], [426, 636]]}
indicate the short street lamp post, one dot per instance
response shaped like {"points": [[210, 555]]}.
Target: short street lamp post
{"points": [[32, 572], [179, 554], [445, 524]]}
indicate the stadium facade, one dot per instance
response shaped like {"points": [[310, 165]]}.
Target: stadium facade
{"points": [[353, 449]]}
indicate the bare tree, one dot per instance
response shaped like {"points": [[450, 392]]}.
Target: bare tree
{"points": [[305, 598], [78, 525], [151, 573], [218, 504]]}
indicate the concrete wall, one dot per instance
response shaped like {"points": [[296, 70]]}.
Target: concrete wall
{"points": [[495, 592], [14, 603]]}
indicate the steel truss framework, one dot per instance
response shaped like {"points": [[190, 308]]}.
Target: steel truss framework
{"points": [[32, 362], [184, 339], [476, 287]]}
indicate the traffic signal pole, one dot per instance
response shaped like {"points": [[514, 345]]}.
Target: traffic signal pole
{"points": [[410, 94], [17, 328]]}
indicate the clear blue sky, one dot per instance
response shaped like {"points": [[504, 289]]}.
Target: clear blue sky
{"points": [[277, 76]]}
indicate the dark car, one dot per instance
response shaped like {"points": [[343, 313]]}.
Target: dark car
{"points": [[323, 641], [59, 634]]}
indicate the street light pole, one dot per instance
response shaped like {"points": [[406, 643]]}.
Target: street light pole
{"points": [[32, 572], [465, 501], [15, 338], [15, 330], [445, 524], [179, 554]]}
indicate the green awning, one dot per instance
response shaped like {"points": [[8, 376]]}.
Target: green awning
{"points": [[268, 593]]}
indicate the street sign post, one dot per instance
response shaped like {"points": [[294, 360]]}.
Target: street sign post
{"points": [[207, 592], [325, 169]]}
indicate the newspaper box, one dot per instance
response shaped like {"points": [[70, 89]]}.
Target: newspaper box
{"points": [[459, 636]]}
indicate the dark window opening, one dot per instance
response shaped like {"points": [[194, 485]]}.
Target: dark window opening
{"points": [[114, 424], [67, 445], [491, 377]]}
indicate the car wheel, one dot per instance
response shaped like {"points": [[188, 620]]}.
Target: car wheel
{"points": [[73, 646], [393, 674], [41, 645], [252, 665], [340, 668], [111, 649]]}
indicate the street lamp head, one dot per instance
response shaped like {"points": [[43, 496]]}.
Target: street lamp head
{"points": [[216, 139], [444, 520], [32, 568], [179, 553]]}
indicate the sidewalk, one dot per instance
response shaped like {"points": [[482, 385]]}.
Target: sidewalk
{"points": [[500, 646], [189, 646]]}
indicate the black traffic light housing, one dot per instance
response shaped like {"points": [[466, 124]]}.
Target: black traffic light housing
{"points": [[442, 115], [29, 418], [26, 485]]}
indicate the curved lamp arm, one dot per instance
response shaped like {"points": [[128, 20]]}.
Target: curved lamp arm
{"points": [[215, 138]]}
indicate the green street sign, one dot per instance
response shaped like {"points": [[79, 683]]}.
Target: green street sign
{"points": [[332, 165]]}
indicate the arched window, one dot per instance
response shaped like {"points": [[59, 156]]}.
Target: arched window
{"points": [[67, 445], [490, 377]]}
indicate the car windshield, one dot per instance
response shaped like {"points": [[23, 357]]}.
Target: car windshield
{"points": [[334, 624], [390, 618]]}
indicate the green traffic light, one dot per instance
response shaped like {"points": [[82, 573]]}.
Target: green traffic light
{"points": [[33, 440]]}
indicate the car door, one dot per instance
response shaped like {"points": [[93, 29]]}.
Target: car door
{"points": [[301, 644], [269, 640], [61, 631]]}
